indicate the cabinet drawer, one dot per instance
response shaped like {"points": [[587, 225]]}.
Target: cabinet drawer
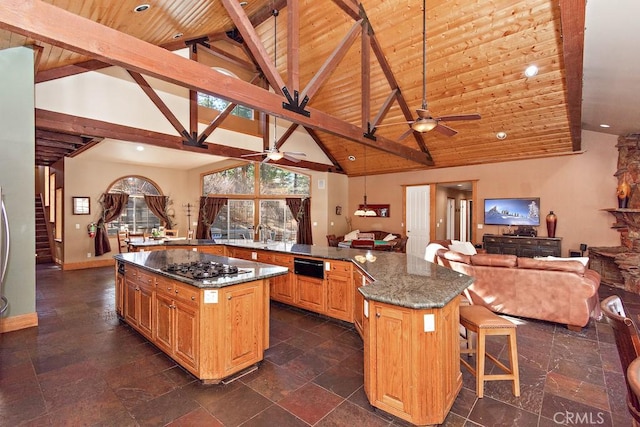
{"points": [[145, 278], [341, 268], [186, 293], [283, 260], [553, 243], [165, 286]]}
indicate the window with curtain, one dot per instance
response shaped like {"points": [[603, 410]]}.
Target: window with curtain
{"points": [[136, 217], [256, 207]]}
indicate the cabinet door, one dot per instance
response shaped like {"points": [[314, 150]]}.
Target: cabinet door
{"points": [[390, 332], [340, 296], [213, 250], [310, 293], [130, 300], [187, 334], [282, 288], [120, 290], [146, 296], [164, 323], [528, 251], [244, 317], [358, 301]]}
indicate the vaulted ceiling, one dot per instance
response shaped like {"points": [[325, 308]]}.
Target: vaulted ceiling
{"points": [[361, 63]]}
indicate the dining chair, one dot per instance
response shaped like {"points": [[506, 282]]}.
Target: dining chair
{"points": [[402, 245], [628, 344], [190, 234], [122, 242]]}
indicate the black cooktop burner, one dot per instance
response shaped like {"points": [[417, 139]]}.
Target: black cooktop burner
{"points": [[201, 270]]}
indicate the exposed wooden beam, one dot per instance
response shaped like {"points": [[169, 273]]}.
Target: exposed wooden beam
{"points": [[350, 7], [365, 73], [286, 135], [331, 62], [314, 135], [158, 102], [70, 70], [60, 137], [42, 21], [384, 109], [293, 44], [572, 18], [59, 122], [253, 42], [228, 57]]}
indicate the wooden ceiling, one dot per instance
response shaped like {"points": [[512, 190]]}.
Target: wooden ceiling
{"points": [[476, 56]]}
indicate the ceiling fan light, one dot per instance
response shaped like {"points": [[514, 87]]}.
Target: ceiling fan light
{"points": [[275, 155], [424, 125]]}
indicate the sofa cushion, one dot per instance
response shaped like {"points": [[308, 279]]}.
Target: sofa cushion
{"points": [[389, 237], [366, 236], [455, 256], [538, 264], [353, 235], [494, 260]]}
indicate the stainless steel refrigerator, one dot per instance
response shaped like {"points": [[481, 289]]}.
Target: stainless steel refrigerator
{"points": [[4, 252]]}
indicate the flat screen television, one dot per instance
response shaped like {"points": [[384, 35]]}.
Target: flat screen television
{"points": [[522, 211]]}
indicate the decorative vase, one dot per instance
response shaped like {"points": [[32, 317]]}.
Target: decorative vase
{"points": [[623, 194], [552, 220]]}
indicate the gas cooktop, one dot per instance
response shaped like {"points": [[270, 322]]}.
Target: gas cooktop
{"points": [[202, 270]]}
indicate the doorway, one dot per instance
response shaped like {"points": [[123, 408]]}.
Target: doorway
{"points": [[418, 218]]}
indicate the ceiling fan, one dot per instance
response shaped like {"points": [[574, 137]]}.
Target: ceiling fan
{"points": [[425, 122], [273, 153]]}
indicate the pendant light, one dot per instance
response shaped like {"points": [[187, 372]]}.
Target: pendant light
{"points": [[365, 211], [274, 153]]}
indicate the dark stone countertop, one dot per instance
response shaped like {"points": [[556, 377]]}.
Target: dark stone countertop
{"points": [[398, 279], [155, 261]]}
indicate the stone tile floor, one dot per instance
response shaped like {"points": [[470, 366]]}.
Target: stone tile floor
{"points": [[81, 366]]}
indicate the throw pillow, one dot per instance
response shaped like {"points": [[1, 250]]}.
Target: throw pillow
{"points": [[465, 248], [389, 237], [353, 235]]}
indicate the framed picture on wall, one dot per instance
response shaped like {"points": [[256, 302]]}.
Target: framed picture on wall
{"points": [[81, 206]]}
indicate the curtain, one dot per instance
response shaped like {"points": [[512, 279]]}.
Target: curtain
{"points": [[209, 208], [158, 205], [301, 210], [112, 206]]}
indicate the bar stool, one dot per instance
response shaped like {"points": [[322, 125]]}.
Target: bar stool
{"points": [[483, 323]]}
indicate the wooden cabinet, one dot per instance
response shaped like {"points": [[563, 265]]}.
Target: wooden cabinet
{"points": [[310, 293], [242, 308], [522, 246], [340, 290], [412, 367], [138, 301], [282, 287], [359, 279], [120, 284], [220, 250], [177, 322], [213, 333], [242, 253]]}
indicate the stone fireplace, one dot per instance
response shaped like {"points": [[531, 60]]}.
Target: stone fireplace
{"points": [[619, 266]]}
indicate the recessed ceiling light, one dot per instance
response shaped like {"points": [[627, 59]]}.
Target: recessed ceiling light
{"points": [[140, 148], [178, 35], [604, 126], [352, 158], [531, 71], [141, 8], [501, 135]]}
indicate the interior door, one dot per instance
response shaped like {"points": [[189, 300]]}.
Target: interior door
{"points": [[451, 218], [418, 208], [463, 221]]}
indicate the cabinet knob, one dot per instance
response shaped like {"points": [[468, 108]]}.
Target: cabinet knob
{"points": [[193, 298], [169, 288], [378, 315], [176, 291], [229, 297]]}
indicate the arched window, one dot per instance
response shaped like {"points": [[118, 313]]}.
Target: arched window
{"points": [[136, 217], [256, 207]]}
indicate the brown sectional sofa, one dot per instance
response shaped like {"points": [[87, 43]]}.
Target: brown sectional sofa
{"points": [[556, 291], [401, 242]]}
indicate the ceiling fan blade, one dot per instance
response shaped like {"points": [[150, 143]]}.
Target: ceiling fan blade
{"points": [[406, 134], [395, 124], [291, 158], [458, 117], [295, 153], [254, 154], [266, 159], [445, 130]]}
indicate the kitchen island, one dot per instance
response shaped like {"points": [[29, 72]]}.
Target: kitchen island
{"points": [[214, 326], [405, 308]]}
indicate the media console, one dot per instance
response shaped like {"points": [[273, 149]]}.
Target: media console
{"points": [[523, 246]]}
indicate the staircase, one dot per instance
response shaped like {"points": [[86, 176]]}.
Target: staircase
{"points": [[43, 248]]}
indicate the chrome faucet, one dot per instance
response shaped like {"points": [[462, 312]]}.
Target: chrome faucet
{"points": [[262, 232]]}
